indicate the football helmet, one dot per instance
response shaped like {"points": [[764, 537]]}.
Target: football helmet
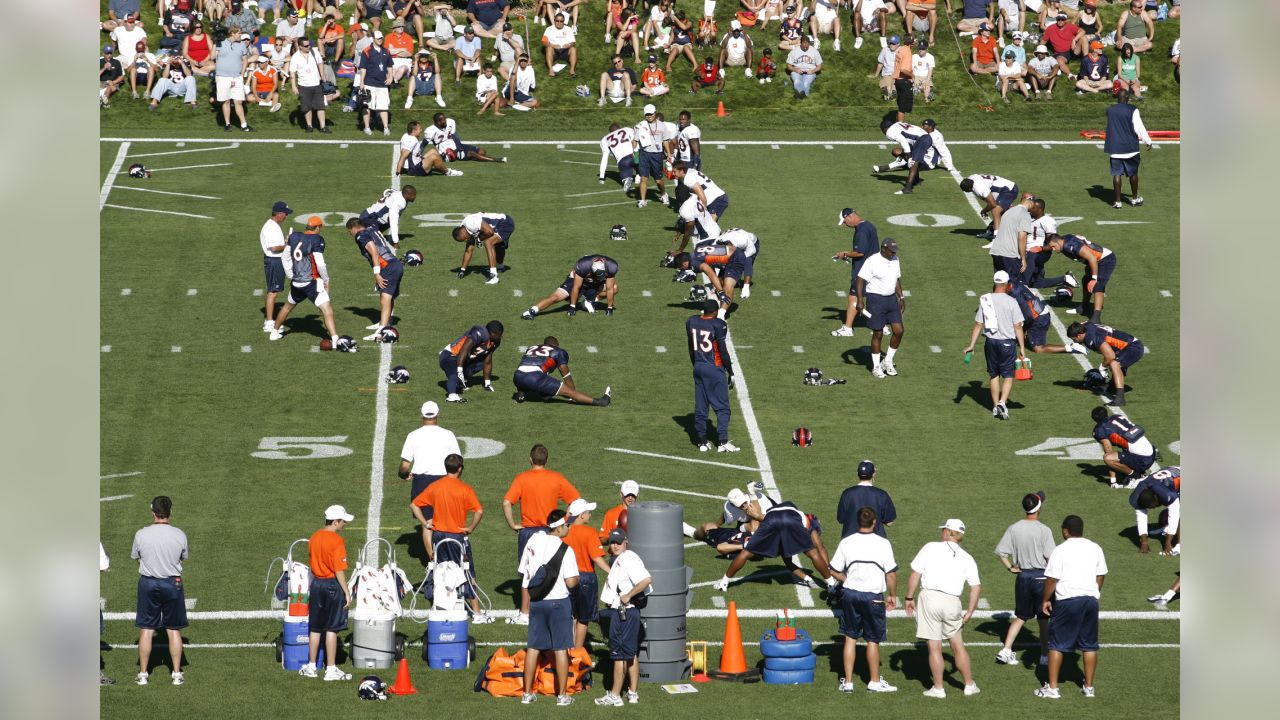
{"points": [[697, 293], [619, 232], [372, 687], [1094, 379], [399, 375], [1063, 293], [667, 261], [801, 437], [413, 258], [684, 276], [388, 335], [582, 91], [346, 343], [813, 376], [138, 170]]}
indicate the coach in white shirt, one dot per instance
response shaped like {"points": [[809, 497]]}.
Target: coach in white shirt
{"points": [[271, 236], [1072, 585], [880, 300], [940, 570], [425, 449], [551, 617], [864, 564]]}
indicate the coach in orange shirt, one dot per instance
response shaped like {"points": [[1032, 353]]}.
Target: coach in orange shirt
{"points": [[446, 535], [629, 491], [327, 612], [538, 490], [588, 551]]}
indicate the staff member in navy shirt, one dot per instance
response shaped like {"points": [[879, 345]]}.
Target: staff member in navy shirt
{"points": [[487, 16], [1124, 130], [865, 494], [866, 242], [712, 374], [375, 77]]}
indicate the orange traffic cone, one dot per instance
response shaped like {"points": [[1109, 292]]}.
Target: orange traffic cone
{"points": [[733, 659], [720, 109], [403, 686]]}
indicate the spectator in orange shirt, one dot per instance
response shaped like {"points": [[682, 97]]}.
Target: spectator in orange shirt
{"points": [[903, 80], [331, 39], [265, 81], [400, 44], [538, 490], [446, 536], [330, 597], [630, 491], [588, 551], [983, 54], [653, 82]]}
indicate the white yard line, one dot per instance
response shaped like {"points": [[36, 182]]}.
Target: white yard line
{"points": [[789, 143], [109, 498], [697, 613], [110, 181], [232, 146], [378, 460], [597, 192], [158, 212], [191, 167], [586, 207], [683, 459], [166, 192], [659, 488], [121, 475]]}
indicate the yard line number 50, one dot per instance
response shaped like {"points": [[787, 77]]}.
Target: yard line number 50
{"points": [[312, 448]]}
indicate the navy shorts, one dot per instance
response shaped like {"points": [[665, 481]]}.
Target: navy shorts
{"points": [[298, 293], [161, 604], [719, 205], [1132, 353], [522, 97], [1038, 331], [906, 96], [538, 383], [587, 291], [522, 538], [853, 277], [863, 615], [1002, 356], [624, 633], [505, 227], [921, 148], [327, 608], [780, 534], [651, 165], [884, 310], [1074, 625], [449, 364], [447, 550], [1011, 265], [749, 261], [626, 167], [273, 268], [733, 536], [1028, 594], [735, 268], [585, 598], [1106, 266], [465, 151], [392, 273], [419, 483], [1137, 463], [550, 625], [1005, 198], [1128, 167]]}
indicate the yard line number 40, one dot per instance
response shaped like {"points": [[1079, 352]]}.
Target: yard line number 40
{"points": [[314, 448]]}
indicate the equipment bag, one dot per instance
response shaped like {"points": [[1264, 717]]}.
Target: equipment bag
{"points": [[502, 675]]}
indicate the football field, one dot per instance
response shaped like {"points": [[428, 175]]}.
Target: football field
{"points": [[252, 438]]}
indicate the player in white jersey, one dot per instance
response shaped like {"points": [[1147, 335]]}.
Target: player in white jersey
{"points": [[1038, 254], [749, 244], [736, 48], [688, 141], [416, 158], [384, 213], [939, 144], [619, 143], [701, 187], [903, 133], [443, 134], [696, 223]]}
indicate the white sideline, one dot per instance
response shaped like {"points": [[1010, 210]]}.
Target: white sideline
{"points": [[796, 143], [111, 175], [697, 613], [378, 459], [232, 146], [166, 192], [685, 459], [158, 212]]}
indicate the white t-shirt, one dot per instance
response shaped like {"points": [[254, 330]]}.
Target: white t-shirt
{"points": [[735, 49], [296, 30], [945, 566], [1076, 565], [864, 558], [869, 9], [538, 552], [1041, 228], [559, 37], [741, 239], [625, 573], [485, 85], [126, 42], [427, 447], [1013, 69], [694, 178], [271, 235], [1041, 65], [617, 143], [525, 80], [690, 132], [922, 65], [305, 67], [940, 144], [881, 274]]}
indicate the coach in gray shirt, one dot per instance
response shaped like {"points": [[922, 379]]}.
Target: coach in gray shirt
{"points": [[1009, 249], [999, 319], [231, 61], [160, 549], [1024, 549]]}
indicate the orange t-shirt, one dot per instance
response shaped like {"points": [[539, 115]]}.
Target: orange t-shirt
{"points": [[586, 546], [537, 491], [902, 63], [265, 81], [452, 499], [986, 50], [328, 553], [404, 42], [610, 520], [653, 78]]}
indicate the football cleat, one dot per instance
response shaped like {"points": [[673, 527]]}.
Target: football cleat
{"points": [[372, 687], [519, 396], [387, 335], [812, 376], [802, 437], [619, 232], [346, 343], [413, 258], [138, 170], [528, 314], [697, 293], [399, 375]]}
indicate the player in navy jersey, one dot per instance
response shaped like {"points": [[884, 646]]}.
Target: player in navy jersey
{"points": [[724, 265], [712, 374], [388, 270], [1035, 318], [470, 354], [1119, 350], [533, 378], [1101, 263], [784, 531], [1162, 488], [1125, 446], [384, 213], [591, 277], [492, 231], [304, 265]]}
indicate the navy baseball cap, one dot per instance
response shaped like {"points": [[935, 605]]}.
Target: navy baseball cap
{"points": [[844, 214], [894, 40], [866, 469], [108, 49], [282, 207], [616, 535], [889, 243]]}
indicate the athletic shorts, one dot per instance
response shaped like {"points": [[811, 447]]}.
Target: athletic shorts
{"points": [[1028, 592], [379, 98], [327, 609], [1106, 266], [906, 95], [229, 88], [626, 167], [732, 536], [161, 604], [780, 534], [311, 98], [584, 598], [550, 625], [938, 615], [560, 54], [505, 228], [537, 382], [1005, 198], [651, 165], [718, 206], [418, 483], [1137, 463], [522, 538], [1132, 353], [1038, 331], [1002, 357], [884, 310], [590, 292], [624, 633], [273, 269], [1074, 625], [1128, 167], [312, 291], [392, 273], [862, 615], [736, 268]]}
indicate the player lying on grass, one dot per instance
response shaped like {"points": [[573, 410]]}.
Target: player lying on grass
{"points": [[533, 378], [590, 277]]}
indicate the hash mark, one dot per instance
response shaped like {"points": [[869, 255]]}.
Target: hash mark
{"points": [[191, 292], [453, 292], [883, 146], [181, 144], [718, 600], [106, 348], [828, 147], [991, 147], [840, 293], [246, 348], [560, 146], [343, 146], [506, 146], [659, 348], [288, 145], [776, 293], [935, 349], [1047, 146], [592, 348], [645, 293], [315, 348], [906, 293], [970, 293], [126, 291], [983, 604], [522, 348], [257, 292], [774, 147], [517, 293], [175, 348], [1165, 293], [797, 348], [719, 147]]}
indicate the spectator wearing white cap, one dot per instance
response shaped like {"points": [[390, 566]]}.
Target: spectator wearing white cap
{"points": [[1072, 586], [1042, 72], [330, 596], [588, 551], [939, 571], [424, 451], [737, 49], [1024, 549], [613, 517], [999, 319]]}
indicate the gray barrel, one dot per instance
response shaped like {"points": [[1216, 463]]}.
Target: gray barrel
{"points": [[665, 672], [373, 644], [662, 628], [670, 581], [655, 532], [667, 606]]}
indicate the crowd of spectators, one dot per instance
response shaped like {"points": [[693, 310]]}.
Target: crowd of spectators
{"points": [[391, 46]]}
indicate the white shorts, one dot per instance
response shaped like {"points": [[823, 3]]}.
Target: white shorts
{"points": [[826, 18], [399, 62], [379, 98], [229, 88], [735, 60], [869, 11]]}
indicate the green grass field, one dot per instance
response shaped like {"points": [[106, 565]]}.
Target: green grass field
{"points": [[191, 387]]}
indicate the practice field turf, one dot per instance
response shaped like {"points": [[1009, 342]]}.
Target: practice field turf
{"points": [[195, 398]]}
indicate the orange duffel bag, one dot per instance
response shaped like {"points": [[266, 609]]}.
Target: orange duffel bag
{"points": [[502, 675]]}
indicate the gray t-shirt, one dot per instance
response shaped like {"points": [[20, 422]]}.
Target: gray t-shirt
{"points": [[1014, 220], [230, 58], [159, 550], [1007, 314], [1028, 542]]}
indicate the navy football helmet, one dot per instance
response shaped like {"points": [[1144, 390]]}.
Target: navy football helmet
{"points": [[399, 375], [697, 293], [372, 687]]}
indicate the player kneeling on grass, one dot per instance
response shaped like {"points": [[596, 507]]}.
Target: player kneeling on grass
{"points": [[625, 592], [1119, 350], [533, 379], [304, 265], [591, 276], [1126, 449], [1162, 488], [492, 231]]}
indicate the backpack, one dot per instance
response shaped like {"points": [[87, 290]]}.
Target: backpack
{"points": [[544, 578]]}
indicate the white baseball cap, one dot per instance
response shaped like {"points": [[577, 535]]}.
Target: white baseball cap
{"points": [[580, 506], [737, 498], [1000, 278], [953, 524], [630, 487], [337, 512], [735, 25], [650, 109], [377, 34], [430, 409]]}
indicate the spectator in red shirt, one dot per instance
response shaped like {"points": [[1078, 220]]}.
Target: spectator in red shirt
{"points": [[983, 55], [707, 74], [1061, 37], [767, 67]]}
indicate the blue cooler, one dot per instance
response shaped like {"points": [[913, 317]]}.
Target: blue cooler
{"points": [[445, 645], [294, 643]]}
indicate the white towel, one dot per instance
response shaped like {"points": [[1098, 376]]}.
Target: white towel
{"points": [[989, 314], [448, 578]]}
